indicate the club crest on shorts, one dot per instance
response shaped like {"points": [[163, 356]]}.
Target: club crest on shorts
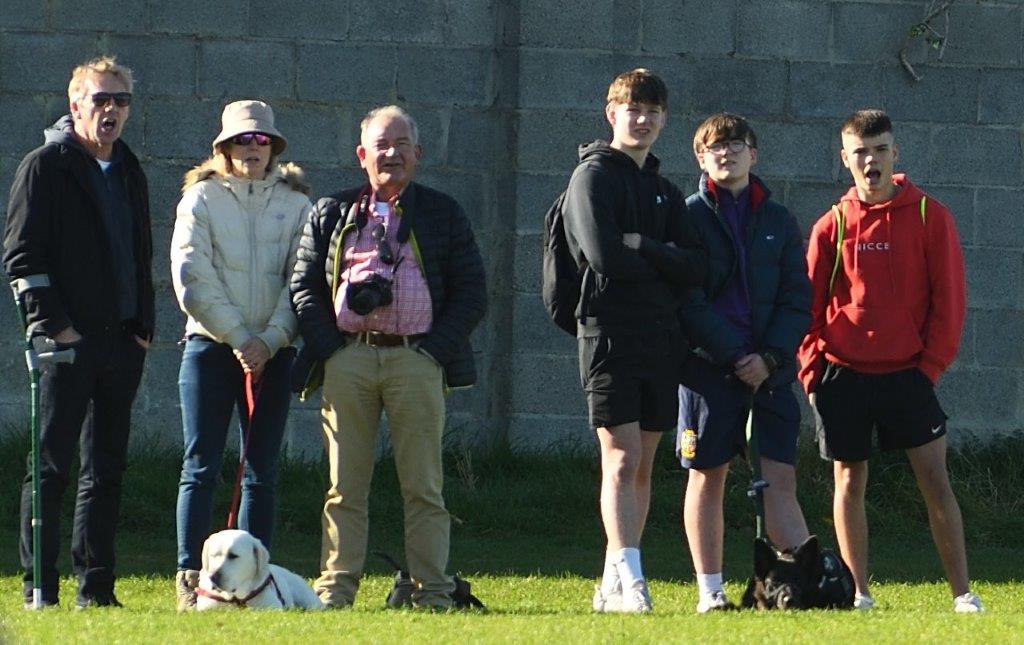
{"points": [[688, 444]]}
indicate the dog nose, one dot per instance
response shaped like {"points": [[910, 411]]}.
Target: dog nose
{"points": [[215, 578]]}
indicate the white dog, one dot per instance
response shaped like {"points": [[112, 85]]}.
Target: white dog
{"points": [[237, 573]]}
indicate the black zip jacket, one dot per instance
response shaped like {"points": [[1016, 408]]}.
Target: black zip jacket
{"points": [[55, 228], [778, 289], [625, 290], [452, 266]]}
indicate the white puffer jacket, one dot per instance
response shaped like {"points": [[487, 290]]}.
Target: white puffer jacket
{"points": [[232, 254]]}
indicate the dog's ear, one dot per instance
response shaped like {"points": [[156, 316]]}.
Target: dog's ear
{"points": [[206, 554], [261, 557], [808, 554], [764, 558]]}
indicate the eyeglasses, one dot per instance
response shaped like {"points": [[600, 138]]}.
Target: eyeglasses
{"points": [[379, 233], [733, 145], [120, 99], [247, 138]]}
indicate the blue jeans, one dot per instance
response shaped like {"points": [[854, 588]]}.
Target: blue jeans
{"points": [[210, 383]]}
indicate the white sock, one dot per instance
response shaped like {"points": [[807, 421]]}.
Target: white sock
{"points": [[709, 583], [610, 578], [629, 567]]}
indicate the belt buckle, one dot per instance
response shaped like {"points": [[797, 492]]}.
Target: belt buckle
{"points": [[369, 338]]}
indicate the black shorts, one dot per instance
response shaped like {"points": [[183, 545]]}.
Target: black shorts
{"points": [[713, 409], [850, 406], [631, 378]]}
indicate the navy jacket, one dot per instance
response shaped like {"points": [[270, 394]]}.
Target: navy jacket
{"points": [[779, 291]]}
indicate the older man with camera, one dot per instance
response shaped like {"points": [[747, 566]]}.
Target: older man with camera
{"points": [[388, 285]]}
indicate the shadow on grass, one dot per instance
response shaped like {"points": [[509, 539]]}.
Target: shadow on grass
{"points": [[522, 515]]}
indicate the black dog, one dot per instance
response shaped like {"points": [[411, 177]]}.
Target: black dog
{"points": [[807, 577], [401, 593]]}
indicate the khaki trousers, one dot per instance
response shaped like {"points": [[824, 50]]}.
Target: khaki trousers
{"points": [[360, 381]]}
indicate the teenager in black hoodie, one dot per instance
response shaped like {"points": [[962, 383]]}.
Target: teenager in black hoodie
{"points": [[626, 226]]}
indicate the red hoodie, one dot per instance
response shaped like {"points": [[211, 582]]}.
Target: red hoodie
{"points": [[899, 298]]}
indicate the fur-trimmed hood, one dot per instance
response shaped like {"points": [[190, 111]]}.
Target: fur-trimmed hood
{"points": [[288, 173]]}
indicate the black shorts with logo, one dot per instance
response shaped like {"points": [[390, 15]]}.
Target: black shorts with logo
{"points": [[631, 378], [850, 406]]}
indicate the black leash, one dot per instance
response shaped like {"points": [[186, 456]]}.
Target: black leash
{"points": [[757, 483]]}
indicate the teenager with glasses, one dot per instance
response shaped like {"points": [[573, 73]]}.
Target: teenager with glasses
{"points": [[78, 249], [235, 237], [745, 323]]}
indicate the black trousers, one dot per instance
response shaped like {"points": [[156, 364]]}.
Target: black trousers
{"points": [[105, 374]]}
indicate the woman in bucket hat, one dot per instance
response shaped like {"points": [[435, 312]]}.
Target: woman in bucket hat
{"points": [[235, 236]]}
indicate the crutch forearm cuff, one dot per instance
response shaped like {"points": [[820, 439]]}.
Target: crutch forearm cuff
{"points": [[35, 281]]}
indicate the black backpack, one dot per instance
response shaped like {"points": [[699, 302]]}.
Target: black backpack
{"points": [[561, 277]]}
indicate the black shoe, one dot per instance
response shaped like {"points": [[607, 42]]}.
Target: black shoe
{"points": [[46, 603], [106, 600]]}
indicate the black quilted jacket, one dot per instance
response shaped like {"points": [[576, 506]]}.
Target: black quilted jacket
{"points": [[439, 229]]}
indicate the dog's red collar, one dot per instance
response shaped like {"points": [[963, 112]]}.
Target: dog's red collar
{"points": [[243, 602]]}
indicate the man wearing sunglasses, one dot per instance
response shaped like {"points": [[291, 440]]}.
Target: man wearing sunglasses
{"points": [[387, 287], [78, 247]]}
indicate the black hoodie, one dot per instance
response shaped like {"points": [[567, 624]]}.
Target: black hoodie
{"points": [[625, 290], [56, 227]]}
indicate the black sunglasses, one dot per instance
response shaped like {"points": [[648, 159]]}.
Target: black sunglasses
{"points": [[379, 233], [120, 99]]}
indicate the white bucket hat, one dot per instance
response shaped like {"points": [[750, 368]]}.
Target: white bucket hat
{"points": [[250, 116]]}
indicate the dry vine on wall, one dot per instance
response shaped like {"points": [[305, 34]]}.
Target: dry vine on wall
{"points": [[936, 39]]}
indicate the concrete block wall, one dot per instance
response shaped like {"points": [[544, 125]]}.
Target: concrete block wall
{"points": [[504, 91]]}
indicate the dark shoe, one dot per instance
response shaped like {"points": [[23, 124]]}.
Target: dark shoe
{"points": [[107, 600], [185, 583], [46, 603]]}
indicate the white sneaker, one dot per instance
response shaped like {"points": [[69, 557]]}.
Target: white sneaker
{"points": [[967, 603], [863, 602], [637, 600], [608, 602], [715, 601]]}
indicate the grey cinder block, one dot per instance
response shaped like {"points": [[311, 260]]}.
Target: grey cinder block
{"points": [[224, 18], [568, 24], [790, 29], [465, 74], [689, 27], [326, 73], [232, 70], [417, 21]]}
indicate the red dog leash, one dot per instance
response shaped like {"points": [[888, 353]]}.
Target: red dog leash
{"points": [[252, 392]]}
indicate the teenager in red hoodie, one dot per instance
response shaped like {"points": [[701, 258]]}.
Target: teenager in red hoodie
{"points": [[887, 310]]}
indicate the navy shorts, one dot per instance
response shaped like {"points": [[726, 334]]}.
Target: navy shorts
{"points": [[850, 406], [713, 408], [631, 378]]}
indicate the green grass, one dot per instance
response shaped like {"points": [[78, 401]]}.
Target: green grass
{"points": [[527, 535]]}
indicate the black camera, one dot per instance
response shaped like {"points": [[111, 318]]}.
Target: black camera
{"points": [[365, 296]]}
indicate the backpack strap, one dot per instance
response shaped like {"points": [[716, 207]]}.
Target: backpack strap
{"points": [[838, 214]]}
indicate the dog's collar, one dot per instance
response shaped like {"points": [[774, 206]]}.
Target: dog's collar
{"points": [[243, 602]]}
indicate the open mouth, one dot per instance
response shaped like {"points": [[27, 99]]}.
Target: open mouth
{"points": [[873, 175], [108, 124]]}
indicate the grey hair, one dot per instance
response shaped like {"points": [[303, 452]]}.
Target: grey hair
{"points": [[390, 110]]}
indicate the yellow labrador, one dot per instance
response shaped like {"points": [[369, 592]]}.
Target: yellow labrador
{"points": [[237, 573]]}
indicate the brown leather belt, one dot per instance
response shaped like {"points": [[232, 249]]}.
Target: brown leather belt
{"points": [[380, 339]]}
